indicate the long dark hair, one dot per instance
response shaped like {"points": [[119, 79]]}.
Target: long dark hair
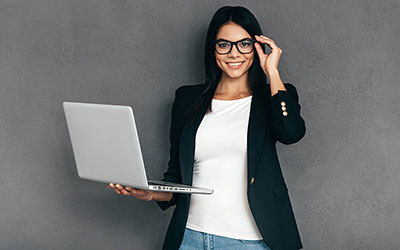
{"points": [[257, 79]]}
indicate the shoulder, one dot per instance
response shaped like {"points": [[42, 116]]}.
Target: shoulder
{"points": [[189, 92], [186, 95], [194, 90], [190, 89]]}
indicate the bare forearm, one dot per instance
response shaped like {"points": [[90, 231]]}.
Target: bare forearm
{"points": [[275, 82]]}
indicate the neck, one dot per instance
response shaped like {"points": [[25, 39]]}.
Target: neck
{"points": [[233, 86]]}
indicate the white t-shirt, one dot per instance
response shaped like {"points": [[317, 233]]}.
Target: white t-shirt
{"points": [[220, 163]]}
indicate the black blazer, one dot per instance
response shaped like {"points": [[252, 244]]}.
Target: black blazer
{"points": [[266, 189]]}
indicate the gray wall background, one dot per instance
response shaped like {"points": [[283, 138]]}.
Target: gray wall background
{"points": [[343, 57]]}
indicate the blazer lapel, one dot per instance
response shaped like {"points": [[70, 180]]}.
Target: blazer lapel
{"points": [[255, 139], [255, 134]]}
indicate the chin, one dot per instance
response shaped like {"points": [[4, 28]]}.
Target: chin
{"points": [[234, 74]]}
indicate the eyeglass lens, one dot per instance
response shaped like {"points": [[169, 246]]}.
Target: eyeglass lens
{"points": [[224, 47]]}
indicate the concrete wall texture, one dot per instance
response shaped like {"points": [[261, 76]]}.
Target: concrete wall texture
{"points": [[343, 57]]}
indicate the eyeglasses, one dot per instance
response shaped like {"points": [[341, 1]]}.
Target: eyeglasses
{"points": [[244, 46]]}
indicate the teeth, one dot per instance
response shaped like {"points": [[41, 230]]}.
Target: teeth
{"points": [[235, 64]]}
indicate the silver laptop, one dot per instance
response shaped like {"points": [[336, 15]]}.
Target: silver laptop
{"points": [[106, 147]]}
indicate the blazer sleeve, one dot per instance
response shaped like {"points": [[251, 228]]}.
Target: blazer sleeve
{"points": [[288, 125], [173, 173]]}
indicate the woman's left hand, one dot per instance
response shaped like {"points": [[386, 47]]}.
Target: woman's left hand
{"points": [[268, 62]]}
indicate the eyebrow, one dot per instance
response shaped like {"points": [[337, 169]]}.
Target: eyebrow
{"points": [[222, 39]]}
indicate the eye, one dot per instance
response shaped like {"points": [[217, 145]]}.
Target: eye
{"points": [[223, 44], [245, 43]]}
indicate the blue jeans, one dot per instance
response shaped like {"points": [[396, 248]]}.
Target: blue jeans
{"points": [[195, 240]]}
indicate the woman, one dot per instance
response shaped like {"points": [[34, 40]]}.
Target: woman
{"points": [[223, 136]]}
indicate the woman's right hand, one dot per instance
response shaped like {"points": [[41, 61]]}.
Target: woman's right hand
{"points": [[142, 194], [146, 195]]}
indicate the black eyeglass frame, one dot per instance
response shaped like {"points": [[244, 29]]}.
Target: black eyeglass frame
{"points": [[234, 43]]}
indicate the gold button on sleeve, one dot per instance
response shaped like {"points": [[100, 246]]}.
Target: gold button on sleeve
{"points": [[252, 180], [283, 103], [284, 113]]}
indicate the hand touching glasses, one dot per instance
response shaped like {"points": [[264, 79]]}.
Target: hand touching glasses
{"points": [[268, 62]]}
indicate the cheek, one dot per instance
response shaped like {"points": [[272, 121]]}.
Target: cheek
{"points": [[251, 61], [219, 62]]}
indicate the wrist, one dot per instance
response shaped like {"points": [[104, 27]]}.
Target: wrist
{"points": [[272, 72]]}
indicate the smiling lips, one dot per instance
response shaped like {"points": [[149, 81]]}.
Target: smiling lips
{"points": [[235, 65]]}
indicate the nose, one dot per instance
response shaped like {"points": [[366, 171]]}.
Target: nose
{"points": [[234, 52]]}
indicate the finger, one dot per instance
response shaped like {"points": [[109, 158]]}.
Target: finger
{"points": [[273, 43], [139, 192], [119, 188], [124, 192], [259, 49], [261, 40], [112, 185], [261, 55], [134, 189], [265, 37], [131, 190], [274, 49], [122, 189], [268, 41]]}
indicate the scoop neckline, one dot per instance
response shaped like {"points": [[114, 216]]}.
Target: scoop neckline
{"points": [[233, 99]]}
